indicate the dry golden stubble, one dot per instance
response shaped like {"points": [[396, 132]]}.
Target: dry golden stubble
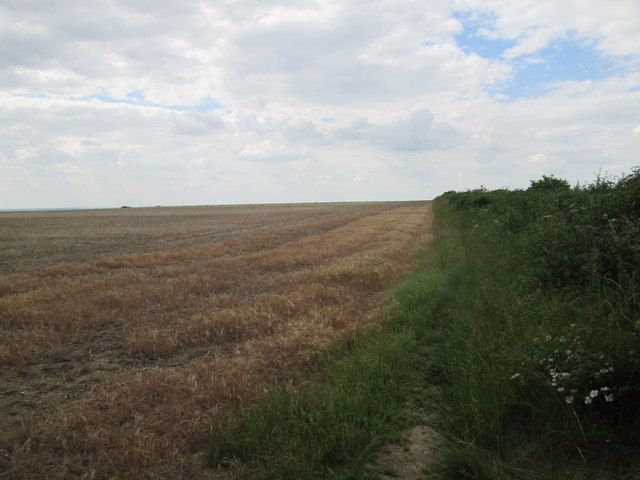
{"points": [[146, 422], [38, 239], [38, 278], [163, 414], [123, 291], [370, 270], [94, 299]]}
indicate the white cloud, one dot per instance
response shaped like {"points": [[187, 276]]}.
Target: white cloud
{"points": [[535, 23], [268, 150], [22, 154], [538, 158], [414, 132], [112, 95]]}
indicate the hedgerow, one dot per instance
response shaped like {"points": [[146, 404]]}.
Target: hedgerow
{"points": [[542, 342]]}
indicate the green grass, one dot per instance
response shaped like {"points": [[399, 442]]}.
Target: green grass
{"points": [[329, 428], [332, 427], [523, 315]]}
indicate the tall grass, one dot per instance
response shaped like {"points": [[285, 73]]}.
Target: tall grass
{"points": [[539, 350]]}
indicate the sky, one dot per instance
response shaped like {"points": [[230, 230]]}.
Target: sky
{"points": [[106, 103]]}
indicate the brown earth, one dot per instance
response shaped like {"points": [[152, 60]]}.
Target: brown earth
{"points": [[410, 457], [125, 365]]}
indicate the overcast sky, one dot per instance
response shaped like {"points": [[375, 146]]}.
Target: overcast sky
{"points": [[172, 102]]}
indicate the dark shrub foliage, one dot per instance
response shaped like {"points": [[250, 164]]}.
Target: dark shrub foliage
{"points": [[556, 311], [570, 235]]}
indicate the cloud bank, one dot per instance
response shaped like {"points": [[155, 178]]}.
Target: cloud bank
{"points": [[173, 103]]}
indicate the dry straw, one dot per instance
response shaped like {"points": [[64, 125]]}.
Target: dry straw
{"points": [[125, 366]]}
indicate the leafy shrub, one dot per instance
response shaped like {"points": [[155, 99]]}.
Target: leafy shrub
{"points": [[549, 184], [542, 344]]}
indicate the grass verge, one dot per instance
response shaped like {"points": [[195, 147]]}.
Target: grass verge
{"points": [[331, 427], [524, 314], [539, 347]]}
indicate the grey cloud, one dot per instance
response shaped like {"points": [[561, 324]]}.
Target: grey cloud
{"points": [[337, 56], [272, 152], [288, 129], [304, 131], [196, 123], [52, 119], [279, 67], [91, 45], [416, 132], [247, 49]]}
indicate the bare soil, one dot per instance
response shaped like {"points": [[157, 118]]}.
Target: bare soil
{"points": [[410, 457]]}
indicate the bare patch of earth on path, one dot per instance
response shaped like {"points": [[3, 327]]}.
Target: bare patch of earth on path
{"points": [[412, 456]]}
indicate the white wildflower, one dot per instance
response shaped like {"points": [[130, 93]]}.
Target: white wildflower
{"points": [[569, 399], [593, 393], [561, 389], [587, 401], [609, 398]]}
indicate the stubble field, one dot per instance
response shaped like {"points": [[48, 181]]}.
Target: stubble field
{"points": [[129, 337]]}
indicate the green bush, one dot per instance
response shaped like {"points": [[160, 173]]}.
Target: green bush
{"points": [[541, 350]]}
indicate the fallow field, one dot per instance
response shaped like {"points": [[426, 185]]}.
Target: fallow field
{"points": [[129, 337]]}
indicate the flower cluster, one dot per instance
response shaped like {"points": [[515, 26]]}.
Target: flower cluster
{"points": [[576, 375], [609, 397]]}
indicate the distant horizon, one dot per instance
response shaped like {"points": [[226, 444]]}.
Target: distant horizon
{"points": [[202, 205]]}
